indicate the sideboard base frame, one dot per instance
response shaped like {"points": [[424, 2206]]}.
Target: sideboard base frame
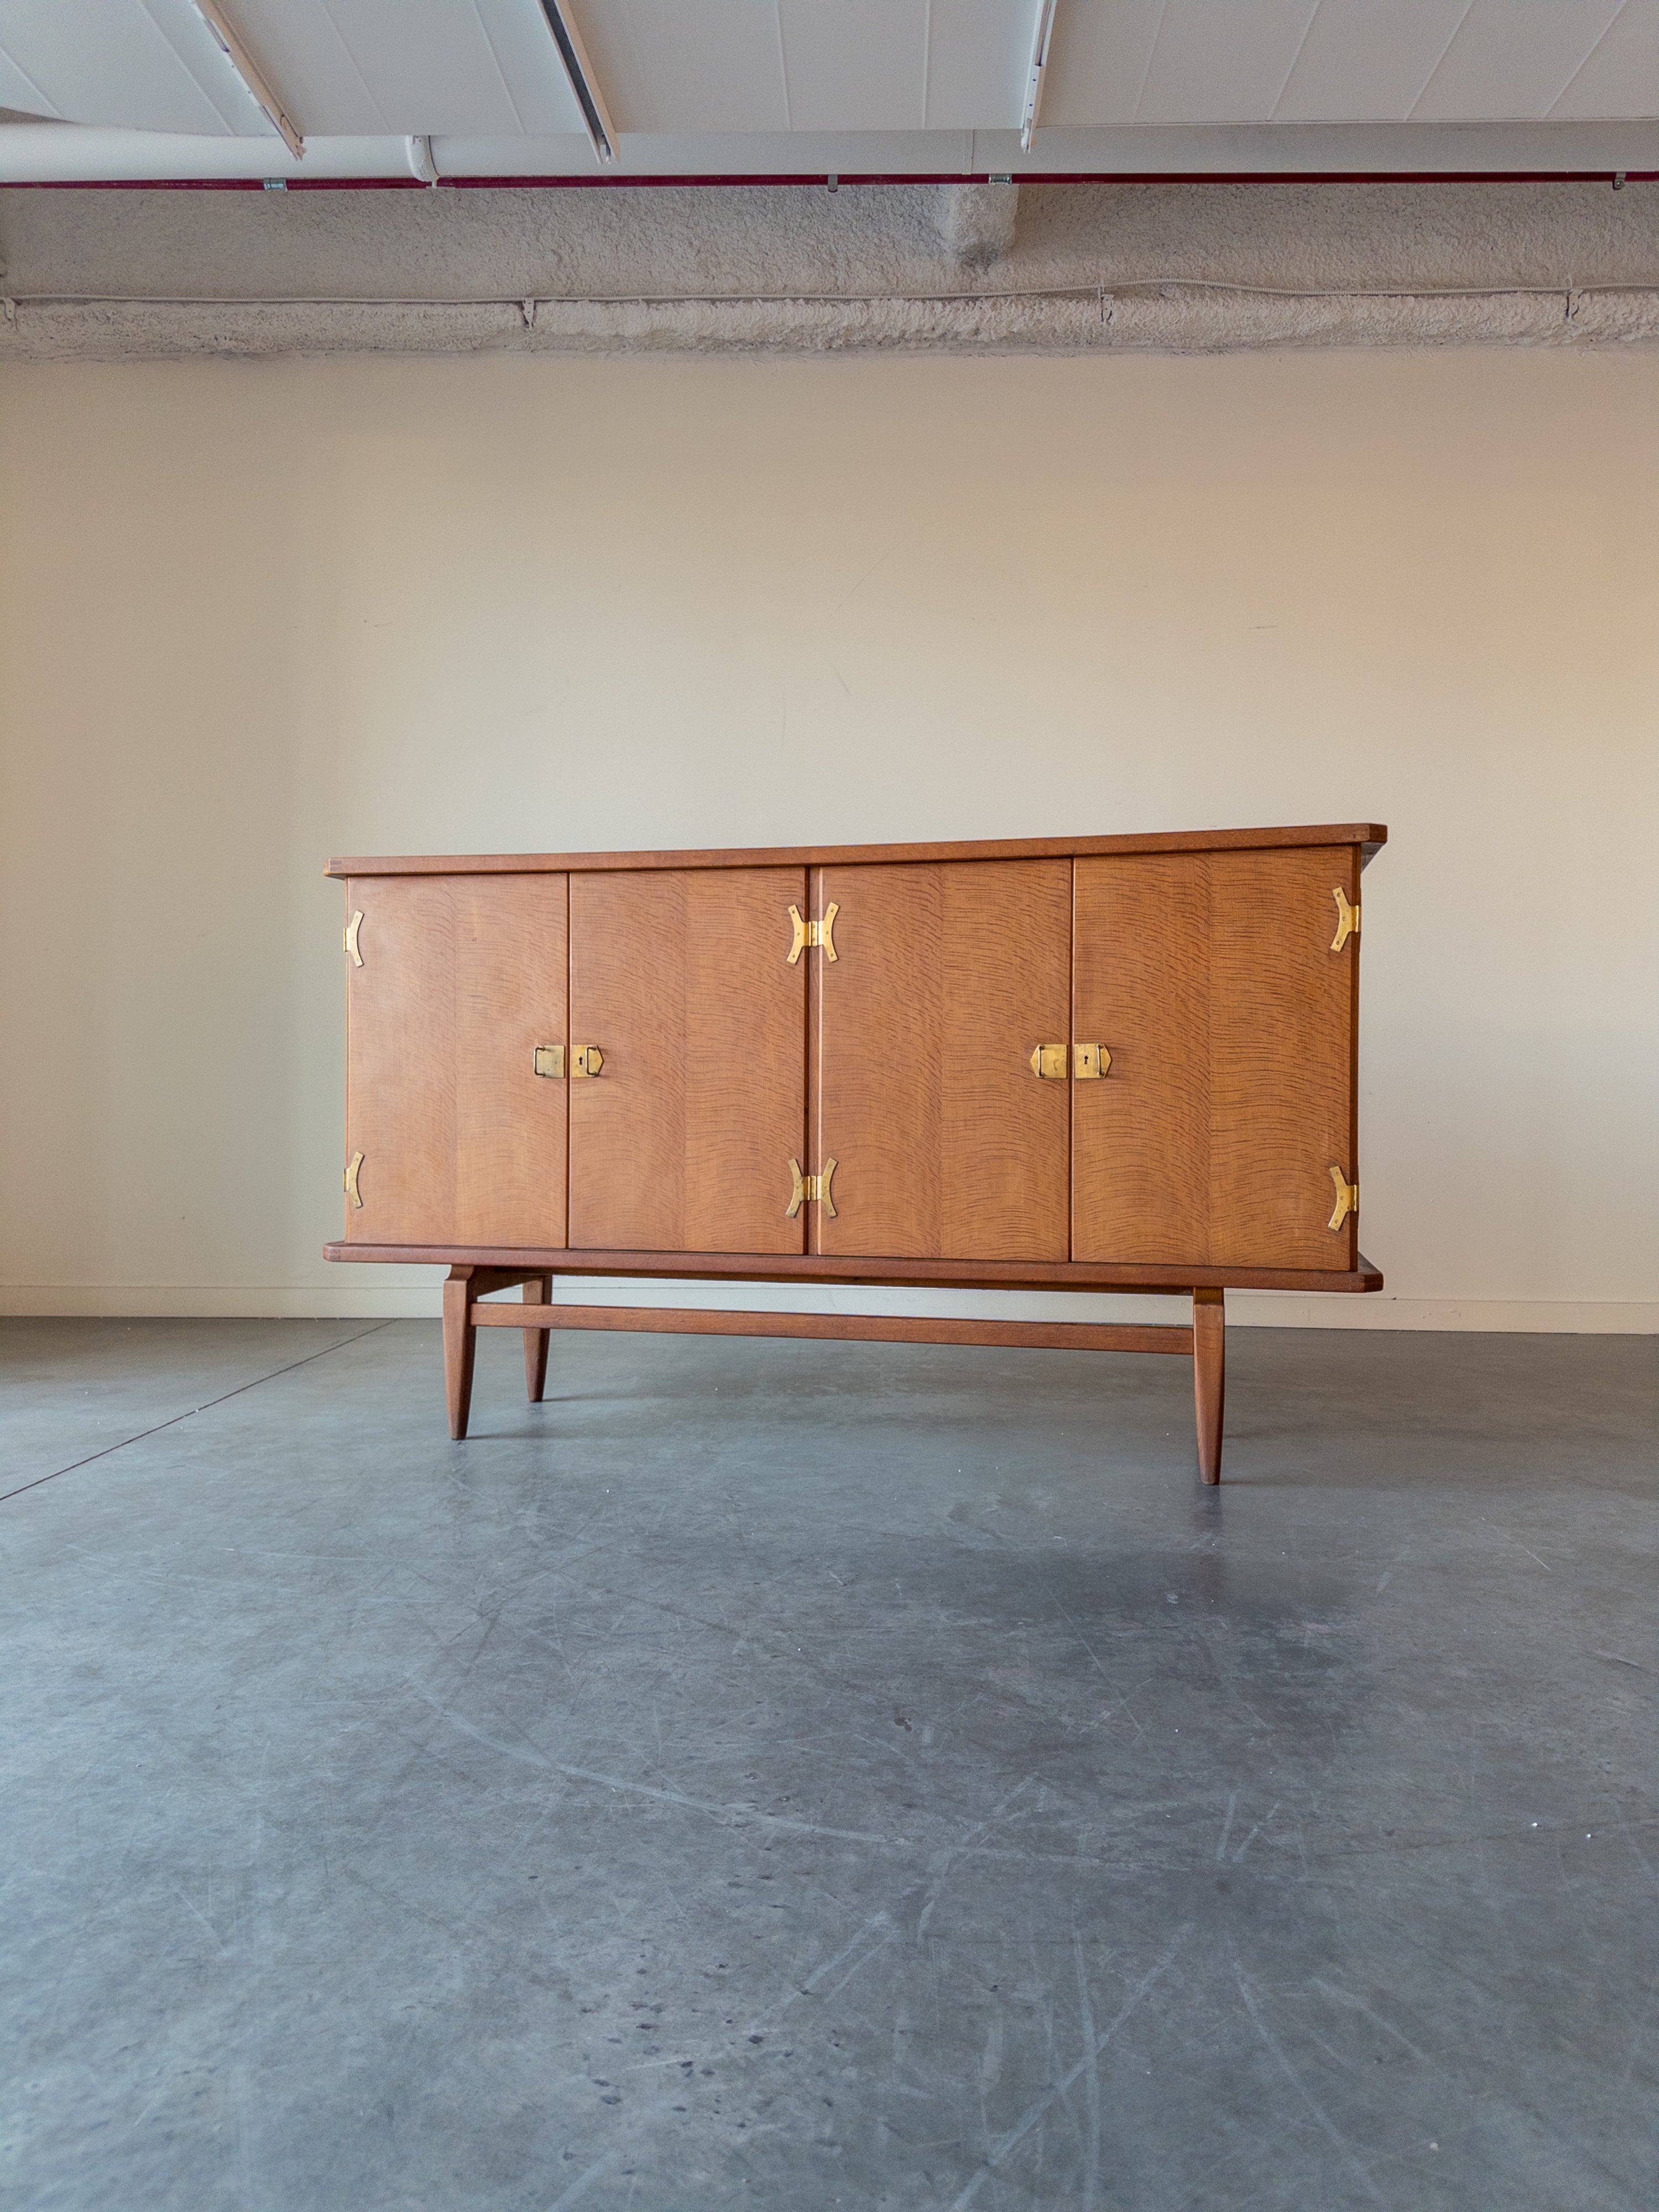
{"points": [[466, 1312], [474, 1277]]}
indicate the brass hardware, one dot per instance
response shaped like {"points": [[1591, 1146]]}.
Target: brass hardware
{"points": [[810, 1188], [351, 1190], [1347, 1199], [549, 1060], [588, 1061], [1348, 919], [1091, 1061], [809, 933], [351, 929], [1050, 1060]]}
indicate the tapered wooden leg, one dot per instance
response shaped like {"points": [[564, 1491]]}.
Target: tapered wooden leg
{"points": [[460, 1340], [1209, 1377], [537, 1292]]}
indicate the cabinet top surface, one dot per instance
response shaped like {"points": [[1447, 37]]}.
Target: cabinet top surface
{"points": [[1368, 835]]}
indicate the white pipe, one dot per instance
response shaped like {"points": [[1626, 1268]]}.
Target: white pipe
{"points": [[75, 153]]}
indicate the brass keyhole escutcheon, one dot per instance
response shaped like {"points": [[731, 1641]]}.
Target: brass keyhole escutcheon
{"points": [[587, 1061]]}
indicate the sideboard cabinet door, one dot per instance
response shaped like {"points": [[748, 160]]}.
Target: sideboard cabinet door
{"points": [[1212, 980], [680, 981], [462, 978], [947, 977]]}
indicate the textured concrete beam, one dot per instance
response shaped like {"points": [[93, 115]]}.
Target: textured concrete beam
{"points": [[1173, 319], [1052, 268]]}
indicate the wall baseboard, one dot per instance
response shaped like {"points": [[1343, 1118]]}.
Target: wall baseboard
{"points": [[360, 1295]]}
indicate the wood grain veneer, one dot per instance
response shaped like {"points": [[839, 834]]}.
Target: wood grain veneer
{"points": [[1140, 1135], [1281, 1006], [461, 981], [682, 1141], [1230, 1022], [949, 1146]]}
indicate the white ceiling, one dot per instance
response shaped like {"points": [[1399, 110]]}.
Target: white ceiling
{"points": [[703, 70]]}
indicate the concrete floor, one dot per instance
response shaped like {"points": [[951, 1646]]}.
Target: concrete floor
{"points": [[807, 1775]]}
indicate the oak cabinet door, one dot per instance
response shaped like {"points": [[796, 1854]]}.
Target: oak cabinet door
{"points": [[461, 1141], [680, 980], [947, 977], [1212, 980]]}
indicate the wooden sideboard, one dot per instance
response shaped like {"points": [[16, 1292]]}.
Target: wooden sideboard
{"points": [[1087, 1063]]}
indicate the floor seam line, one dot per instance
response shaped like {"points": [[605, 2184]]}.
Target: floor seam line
{"points": [[207, 1406]]}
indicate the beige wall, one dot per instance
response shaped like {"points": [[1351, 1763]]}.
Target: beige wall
{"points": [[256, 614]]}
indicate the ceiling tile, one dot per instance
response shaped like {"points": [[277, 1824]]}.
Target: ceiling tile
{"points": [[855, 64], [1512, 58], [978, 54], [668, 67], [1620, 76], [122, 63], [1097, 63], [1222, 61], [18, 89], [348, 66], [1365, 61]]}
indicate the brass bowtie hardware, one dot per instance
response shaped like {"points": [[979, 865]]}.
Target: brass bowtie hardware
{"points": [[588, 1061], [352, 1180], [808, 1188], [549, 1060], [351, 929], [1347, 1199], [809, 933], [1049, 1061], [1348, 919], [1091, 1061]]}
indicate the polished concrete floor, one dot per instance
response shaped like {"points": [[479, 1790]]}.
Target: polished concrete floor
{"points": [[801, 1775]]}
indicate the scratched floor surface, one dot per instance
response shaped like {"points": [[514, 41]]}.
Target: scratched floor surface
{"points": [[801, 1776]]}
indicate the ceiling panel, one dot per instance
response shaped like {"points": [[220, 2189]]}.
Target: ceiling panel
{"points": [[978, 53], [1513, 58], [475, 67], [1621, 75], [18, 92], [728, 69], [153, 67], [1097, 63], [1222, 61], [1365, 62], [855, 64], [667, 67]]}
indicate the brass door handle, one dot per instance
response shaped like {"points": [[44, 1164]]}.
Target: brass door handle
{"points": [[549, 1060], [1048, 1061], [586, 1061], [1091, 1061]]}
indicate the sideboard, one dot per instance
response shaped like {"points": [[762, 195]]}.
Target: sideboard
{"points": [[1084, 1063]]}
